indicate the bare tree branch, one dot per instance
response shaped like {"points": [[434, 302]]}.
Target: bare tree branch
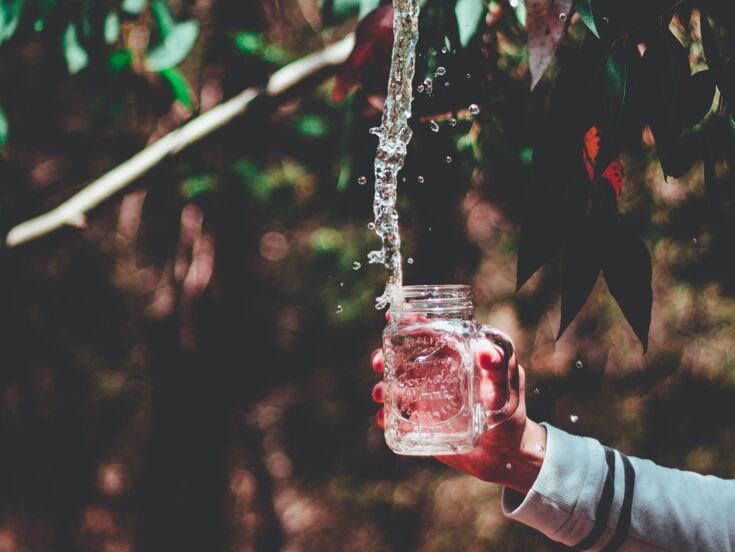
{"points": [[281, 83]]}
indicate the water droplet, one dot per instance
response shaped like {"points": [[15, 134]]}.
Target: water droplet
{"points": [[429, 228], [449, 159], [420, 88], [444, 50], [605, 20], [356, 265], [573, 418], [341, 284], [420, 179], [434, 126], [474, 109], [694, 241], [579, 365], [536, 391], [339, 309], [452, 122], [440, 71], [508, 466], [409, 260], [371, 226], [523, 444], [468, 76], [376, 257], [562, 17], [540, 447], [446, 84], [361, 181]]}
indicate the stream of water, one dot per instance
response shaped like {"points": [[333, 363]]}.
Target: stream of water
{"points": [[393, 137]]}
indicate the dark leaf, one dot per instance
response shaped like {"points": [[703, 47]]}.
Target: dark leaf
{"points": [[726, 82], [709, 42], [544, 26], [581, 265], [628, 273], [700, 94], [369, 62], [559, 189]]}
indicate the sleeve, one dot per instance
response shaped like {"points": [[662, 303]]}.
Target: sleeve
{"points": [[592, 497]]}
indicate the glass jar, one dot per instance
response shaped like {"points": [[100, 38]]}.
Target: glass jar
{"points": [[433, 402]]}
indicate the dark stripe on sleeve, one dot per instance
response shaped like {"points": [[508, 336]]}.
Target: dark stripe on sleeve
{"points": [[603, 506], [621, 532]]}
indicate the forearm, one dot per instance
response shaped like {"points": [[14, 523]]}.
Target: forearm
{"points": [[525, 463], [595, 498]]}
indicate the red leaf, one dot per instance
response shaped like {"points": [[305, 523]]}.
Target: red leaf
{"points": [[369, 63], [613, 173]]}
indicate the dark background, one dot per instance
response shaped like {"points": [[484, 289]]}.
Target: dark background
{"points": [[177, 375]]}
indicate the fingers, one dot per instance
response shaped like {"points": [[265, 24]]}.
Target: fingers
{"points": [[380, 418], [488, 355], [378, 393], [376, 361]]}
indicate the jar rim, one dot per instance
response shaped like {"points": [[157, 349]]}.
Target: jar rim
{"points": [[416, 288], [438, 298]]}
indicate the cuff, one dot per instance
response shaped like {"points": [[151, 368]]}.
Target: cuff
{"points": [[571, 476]]}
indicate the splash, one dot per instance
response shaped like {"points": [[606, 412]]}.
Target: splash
{"points": [[393, 137]]}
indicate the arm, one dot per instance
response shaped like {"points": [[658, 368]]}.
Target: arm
{"points": [[590, 497], [594, 498]]}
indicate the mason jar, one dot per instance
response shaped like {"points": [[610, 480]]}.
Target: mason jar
{"points": [[433, 385]]}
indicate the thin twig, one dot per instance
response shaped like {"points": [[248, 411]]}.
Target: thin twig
{"points": [[281, 83]]}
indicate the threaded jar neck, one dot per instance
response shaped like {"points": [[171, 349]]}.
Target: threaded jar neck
{"points": [[435, 300]]}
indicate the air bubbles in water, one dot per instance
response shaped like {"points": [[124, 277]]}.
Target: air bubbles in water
{"points": [[362, 181], [434, 126], [441, 71], [420, 179], [474, 109], [356, 265], [573, 418], [409, 260]]}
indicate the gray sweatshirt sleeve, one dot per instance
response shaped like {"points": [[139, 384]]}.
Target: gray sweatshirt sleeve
{"points": [[591, 497]]}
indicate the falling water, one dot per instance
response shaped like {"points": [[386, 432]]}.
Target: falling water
{"points": [[393, 137]]}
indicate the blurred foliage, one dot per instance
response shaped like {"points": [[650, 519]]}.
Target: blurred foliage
{"points": [[191, 371]]}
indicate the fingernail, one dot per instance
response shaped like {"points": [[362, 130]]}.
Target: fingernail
{"points": [[378, 392], [380, 419], [376, 360]]}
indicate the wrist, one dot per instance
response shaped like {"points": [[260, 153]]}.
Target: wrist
{"points": [[525, 462]]}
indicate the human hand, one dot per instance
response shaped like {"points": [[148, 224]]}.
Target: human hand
{"points": [[510, 453]]}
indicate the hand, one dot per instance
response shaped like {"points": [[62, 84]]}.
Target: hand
{"points": [[511, 453]]}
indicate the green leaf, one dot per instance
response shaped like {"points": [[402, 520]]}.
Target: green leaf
{"points": [[197, 185], [312, 126], [112, 28], [3, 128], [252, 43], [175, 46], [163, 17], [76, 56], [10, 11], [544, 27], [133, 7], [520, 10], [120, 60], [470, 13], [179, 87], [584, 9]]}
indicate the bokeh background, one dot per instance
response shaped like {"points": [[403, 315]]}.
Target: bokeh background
{"points": [[190, 371]]}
